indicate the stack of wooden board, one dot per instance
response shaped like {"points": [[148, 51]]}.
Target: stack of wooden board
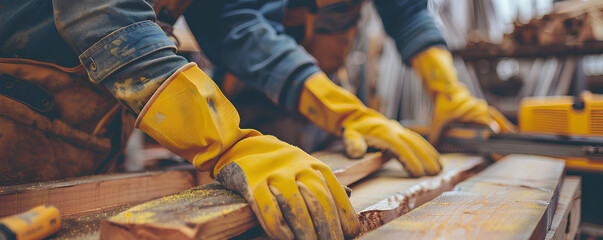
{"points": [[84, 202], [571, 23], [212, 212], [96, 194], [513, 199]]}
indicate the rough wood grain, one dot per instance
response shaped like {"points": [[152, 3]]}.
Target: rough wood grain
{"points": [[219, 213], [390, 192], [567, 216], [512, 199], [349, 171], [95, 194], [211, 212]]}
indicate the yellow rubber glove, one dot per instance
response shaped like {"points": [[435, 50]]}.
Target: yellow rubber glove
{"points": [[453, 102], [341, 113], [293, 194]]}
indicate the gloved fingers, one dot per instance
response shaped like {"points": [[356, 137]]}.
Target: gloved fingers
{"points": [[489, 122], [445, 113], [505, 124], [321, 206], [479, 113], [422, 142], [469, 110], [347, 215], [436, 128], [355, 145], [429, 156], [404, 153], [293, 207], [481, 118], [270, 215]]}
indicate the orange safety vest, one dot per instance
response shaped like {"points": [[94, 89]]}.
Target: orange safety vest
{"points": [[55, 123]]}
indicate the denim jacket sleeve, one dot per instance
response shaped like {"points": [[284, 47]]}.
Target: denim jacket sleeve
{"points": [[247, 39], [409, 24], [119, 45]]}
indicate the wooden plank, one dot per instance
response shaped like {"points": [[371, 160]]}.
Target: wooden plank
{"points": [[391, 193], [567, 217], [222, 213], [212, 212], [529, 51], [99, 193], [515, 198], [349, 171], [84, 227]]}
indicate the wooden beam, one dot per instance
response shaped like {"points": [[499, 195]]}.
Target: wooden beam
{"points": [[96, 194], [530, 51], [567, 216], [220, 213], [515, 198], [212, 212], [391, 193]]}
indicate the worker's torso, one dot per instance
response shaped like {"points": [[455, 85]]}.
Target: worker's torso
{"points": [[54, 122]]}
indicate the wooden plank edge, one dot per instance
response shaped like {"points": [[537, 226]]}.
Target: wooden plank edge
{"points": [[238, 219], [360, 168], [399, 204], [406, 201], [107, 192], [391, 229], [20, 198], [566, 220]]}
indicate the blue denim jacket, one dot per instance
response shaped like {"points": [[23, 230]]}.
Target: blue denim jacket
{"points": [[247, 39], [115, 40]]}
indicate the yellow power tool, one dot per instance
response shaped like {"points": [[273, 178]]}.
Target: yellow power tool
{"points": [[562, 115], [37, 223]]}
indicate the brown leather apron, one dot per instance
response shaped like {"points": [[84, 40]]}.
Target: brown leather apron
{"points": [[55, 123]]}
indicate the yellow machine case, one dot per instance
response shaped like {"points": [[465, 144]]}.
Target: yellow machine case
{"points": [[557, 115]]}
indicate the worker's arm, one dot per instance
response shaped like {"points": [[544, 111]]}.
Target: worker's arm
{"points": [[292, 193], [247, 39], [453, 102], [251, 44], [119, 45], [422, 46], [409, 25]]}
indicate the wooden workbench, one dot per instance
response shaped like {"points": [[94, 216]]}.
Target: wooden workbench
{"points": [[379, 198]]}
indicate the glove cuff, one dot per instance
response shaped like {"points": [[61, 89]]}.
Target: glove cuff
{"points": [[146, 107], [436, 69]]}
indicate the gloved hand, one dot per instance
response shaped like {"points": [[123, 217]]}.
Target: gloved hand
{"points": [[341, 113], [453, 102], [292, 194]]}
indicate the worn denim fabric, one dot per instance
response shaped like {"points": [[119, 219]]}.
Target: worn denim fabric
{"points": [[409, 24], [247, 39], [115, 40]]}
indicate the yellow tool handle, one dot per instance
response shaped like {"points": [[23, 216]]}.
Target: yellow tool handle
{"points": [[37, 223]]}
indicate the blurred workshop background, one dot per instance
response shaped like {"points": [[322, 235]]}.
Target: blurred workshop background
{"points": [[504, 51]]}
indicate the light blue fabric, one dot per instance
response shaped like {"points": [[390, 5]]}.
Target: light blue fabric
{"points": [[247, 39], [115, 40]]}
